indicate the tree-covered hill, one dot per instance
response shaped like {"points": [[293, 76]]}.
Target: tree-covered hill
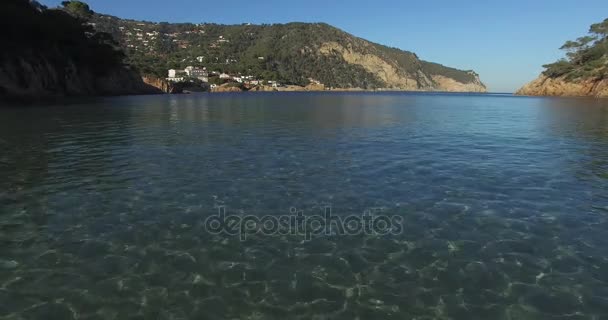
{"points": [[293, 53]]}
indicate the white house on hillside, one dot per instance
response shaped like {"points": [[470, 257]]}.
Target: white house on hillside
{"points": [[174, 75], [198, 73]]}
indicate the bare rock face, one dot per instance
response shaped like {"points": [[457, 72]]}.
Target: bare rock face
{"points": [[545, 86], [315, 87], [161, 84], [398, 78], [451, 85], [226, 88], [384, 70], [262, 88]]}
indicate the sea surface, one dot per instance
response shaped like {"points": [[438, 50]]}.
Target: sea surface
{"points": [[504, 205]]}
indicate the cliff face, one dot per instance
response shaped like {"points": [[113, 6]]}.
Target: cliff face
{"points": [[39, 75], [161, 84], [387, 72], [451, 85], [48, 52], [398, 77], [546, 86]]}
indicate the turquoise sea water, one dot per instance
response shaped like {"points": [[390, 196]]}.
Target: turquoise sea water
{"points": [[504, 203]]}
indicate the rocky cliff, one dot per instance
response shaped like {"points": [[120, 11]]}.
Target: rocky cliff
{"points": [[40, 75], [561, 86], [389, 73], [51, 53], [397, 76], [162, 84], [444, 83]]}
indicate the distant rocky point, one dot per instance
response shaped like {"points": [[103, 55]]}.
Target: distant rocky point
{"points": [[584, 71]]}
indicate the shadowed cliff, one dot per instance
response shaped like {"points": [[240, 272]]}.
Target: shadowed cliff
{"points": [[52, 53]]}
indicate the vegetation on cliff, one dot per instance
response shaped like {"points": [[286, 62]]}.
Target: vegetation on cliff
{"points": [[586, 57]]}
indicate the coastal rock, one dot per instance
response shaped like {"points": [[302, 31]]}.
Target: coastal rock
{"points": [[452, 85], [161, 84], [315, 87], [47, 74], [226, 88], [546, 86], [263, 89], [289, 88]]}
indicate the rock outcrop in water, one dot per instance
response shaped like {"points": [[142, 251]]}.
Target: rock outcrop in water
{"points": [[583, 73]]}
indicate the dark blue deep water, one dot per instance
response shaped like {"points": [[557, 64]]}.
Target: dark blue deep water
{"points": [[504, 203]]}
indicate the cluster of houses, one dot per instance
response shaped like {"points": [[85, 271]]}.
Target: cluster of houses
{"points": [[142, 36], [190, 72], [202, 74], [137, 38]]}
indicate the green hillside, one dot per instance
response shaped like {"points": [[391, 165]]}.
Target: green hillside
{"points": [[292, 53]]}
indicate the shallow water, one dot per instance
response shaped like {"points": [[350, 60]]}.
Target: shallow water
{"points": [[504, 201]]}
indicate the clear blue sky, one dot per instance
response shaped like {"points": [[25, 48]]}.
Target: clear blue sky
{"points": [[506, 42]]}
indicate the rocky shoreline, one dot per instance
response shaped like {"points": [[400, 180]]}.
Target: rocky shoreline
{"points": [[322, 88], [35, 77], [546, 86]]}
